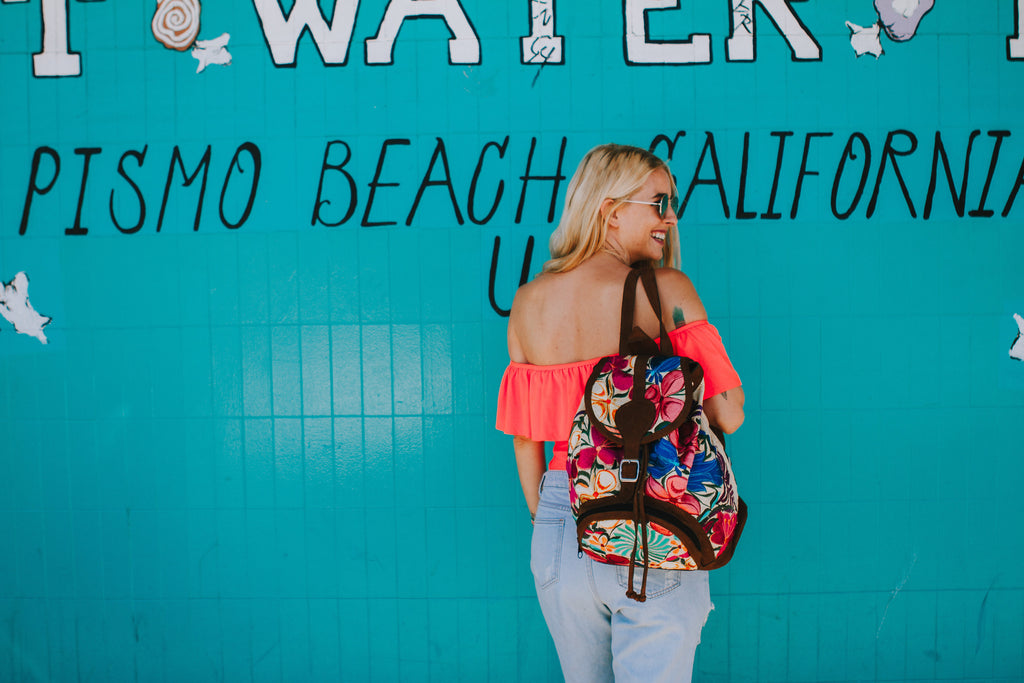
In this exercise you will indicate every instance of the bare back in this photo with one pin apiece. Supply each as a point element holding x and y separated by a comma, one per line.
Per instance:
<point>573,316</point>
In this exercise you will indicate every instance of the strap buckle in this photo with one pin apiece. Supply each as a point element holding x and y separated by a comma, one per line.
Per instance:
<point>629,470</point>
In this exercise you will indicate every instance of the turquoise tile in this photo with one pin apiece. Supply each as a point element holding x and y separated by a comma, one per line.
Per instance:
<point>349,476</point>
<point>268,655</point>
<point>472,639</point>
<point>442,639</point>
<point>290,551</point>
<point>286,369</point>
<point>407,379</point>
<point>346,370</point>
<point>202,555</point>
<point>324,640</point>
<point>259,463</point>
<point>355,646</point>
<point>383,633</point>
<point>410,460</point>
<point>288,463</point>
<point>231,564</point>
<point>254,280</point>
<point>318,462</point>
<point>375,294</point>
<point>437,359</point>
<point>413,649</point>
<point>321,552</point>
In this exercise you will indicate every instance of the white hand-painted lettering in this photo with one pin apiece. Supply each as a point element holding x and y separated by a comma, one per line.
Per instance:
<point>56,59</point>
<point>740,45</point>
<point>1015,43</point>
<point>282,34</point>
<point>640,50</point>
<point>542,46</point>
<point>464,48</point>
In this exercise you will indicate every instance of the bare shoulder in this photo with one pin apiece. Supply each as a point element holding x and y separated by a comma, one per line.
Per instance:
<point>680,303</point>
<point>523,314</point>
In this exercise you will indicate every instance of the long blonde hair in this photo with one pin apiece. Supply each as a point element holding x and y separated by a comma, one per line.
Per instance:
<point>606,172</point>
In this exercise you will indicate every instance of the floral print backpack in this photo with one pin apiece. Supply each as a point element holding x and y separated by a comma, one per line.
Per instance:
<point>650,483</point>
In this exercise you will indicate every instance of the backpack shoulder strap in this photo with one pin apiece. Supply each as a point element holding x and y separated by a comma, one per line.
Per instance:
<point>632,339</point>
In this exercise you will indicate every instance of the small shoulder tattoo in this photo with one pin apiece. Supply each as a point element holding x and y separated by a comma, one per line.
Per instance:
<point>677,317</point>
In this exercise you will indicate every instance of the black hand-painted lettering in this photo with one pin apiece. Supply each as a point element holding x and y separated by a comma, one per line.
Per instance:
<point>959,196</point>
<point>375,183</point>
<point>981,211</point>
<point>771,214</point>
<point>88,153</point>
<point>524,274</point>
<point>740,212</point>
<point>890,152</point>
<point>204,166</point>
<point>848,153</point>
<point>35,189</point>
<point>709,146</point>
<point>140,158</point>
<point>340,168</point>
<point>476,177</point>
<point>254,154</point>
<point>556,179</point>
<point>427,182</point>
<point>804,171</point>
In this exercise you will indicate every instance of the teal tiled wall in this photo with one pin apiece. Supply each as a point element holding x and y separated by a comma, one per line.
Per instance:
<point>266,452</point>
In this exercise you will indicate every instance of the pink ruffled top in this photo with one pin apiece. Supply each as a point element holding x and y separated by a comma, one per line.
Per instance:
<point>539,401</point>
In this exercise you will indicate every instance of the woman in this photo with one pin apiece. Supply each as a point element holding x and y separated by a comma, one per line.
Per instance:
<point>619,210</point>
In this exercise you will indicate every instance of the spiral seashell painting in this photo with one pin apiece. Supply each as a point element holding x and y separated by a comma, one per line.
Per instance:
<point>176,23</point>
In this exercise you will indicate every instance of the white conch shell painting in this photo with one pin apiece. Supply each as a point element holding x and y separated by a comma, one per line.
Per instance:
<point>212,51</point>
<point>176,23</point>
<point>899,19</point>
<point>1017,347</point>
<point>16,309</point>
<point>864,39</point>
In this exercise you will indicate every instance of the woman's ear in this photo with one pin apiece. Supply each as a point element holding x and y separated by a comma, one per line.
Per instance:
<point>609,214</point>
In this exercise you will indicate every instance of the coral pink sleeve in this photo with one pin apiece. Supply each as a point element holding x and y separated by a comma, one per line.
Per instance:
<point>700,341</point>
<point>539,401</point>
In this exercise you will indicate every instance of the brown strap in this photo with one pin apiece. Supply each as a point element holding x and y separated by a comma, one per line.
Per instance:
<point>651,287</point>
<point>628,308</point>
<point>631,338</point>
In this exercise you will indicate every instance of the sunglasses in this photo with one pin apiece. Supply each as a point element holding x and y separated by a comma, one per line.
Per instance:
<point>662,204</point>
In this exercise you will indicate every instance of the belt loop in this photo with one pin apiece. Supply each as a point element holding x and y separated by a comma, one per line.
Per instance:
<point>540,487</point>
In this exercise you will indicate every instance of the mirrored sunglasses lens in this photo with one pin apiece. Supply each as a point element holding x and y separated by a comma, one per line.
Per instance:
<point>666,202</point>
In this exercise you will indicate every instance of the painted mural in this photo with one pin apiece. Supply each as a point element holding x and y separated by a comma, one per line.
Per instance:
<point>272,247</point>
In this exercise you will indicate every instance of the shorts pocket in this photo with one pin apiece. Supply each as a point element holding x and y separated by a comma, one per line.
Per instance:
<point>546,551</point>
<point>659,581</point>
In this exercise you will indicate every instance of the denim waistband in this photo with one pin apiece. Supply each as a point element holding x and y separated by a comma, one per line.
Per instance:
<point>554,479</point>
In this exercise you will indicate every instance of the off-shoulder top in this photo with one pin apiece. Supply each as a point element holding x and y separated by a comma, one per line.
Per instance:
<point>539,401</point>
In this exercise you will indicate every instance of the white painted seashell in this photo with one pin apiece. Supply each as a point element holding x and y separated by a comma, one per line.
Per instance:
<point>176,23</point>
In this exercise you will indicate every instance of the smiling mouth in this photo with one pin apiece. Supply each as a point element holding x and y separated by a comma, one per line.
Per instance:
<point>658,237</point>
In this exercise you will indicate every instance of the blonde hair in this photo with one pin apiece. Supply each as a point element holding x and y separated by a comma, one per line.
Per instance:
<point>613,172</point>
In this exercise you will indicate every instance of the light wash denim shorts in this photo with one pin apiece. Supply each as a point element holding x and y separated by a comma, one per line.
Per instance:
<point>600,634</point>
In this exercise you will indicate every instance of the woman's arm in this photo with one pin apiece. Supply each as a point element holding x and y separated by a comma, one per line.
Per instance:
<point>530,461</point>
<point>680,305</point>
<point>725,410</point>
